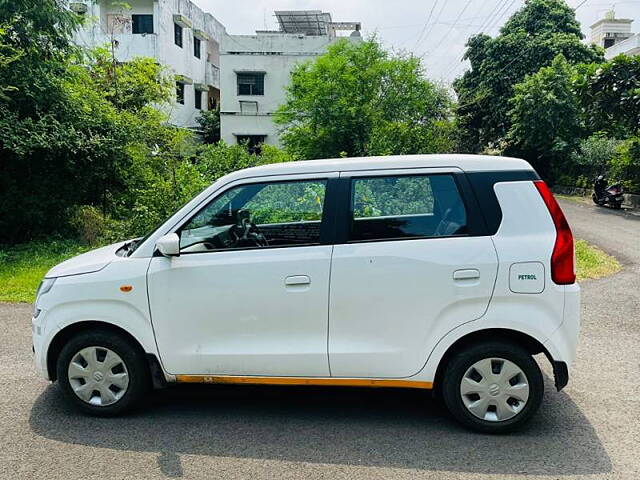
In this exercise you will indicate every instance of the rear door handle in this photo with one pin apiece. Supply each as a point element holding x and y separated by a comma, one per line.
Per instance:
<point>468,274</point>
<point>297,280</point>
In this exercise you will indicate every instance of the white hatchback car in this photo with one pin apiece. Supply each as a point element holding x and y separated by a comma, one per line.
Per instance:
<point>443,272</point>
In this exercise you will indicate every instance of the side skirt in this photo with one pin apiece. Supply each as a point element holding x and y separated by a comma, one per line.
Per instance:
<point>344,382</point>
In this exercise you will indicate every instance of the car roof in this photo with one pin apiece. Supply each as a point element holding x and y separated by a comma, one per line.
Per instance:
<point>467,163</point>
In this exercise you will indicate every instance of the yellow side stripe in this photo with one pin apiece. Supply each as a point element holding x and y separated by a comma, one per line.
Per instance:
<point>345,382</point>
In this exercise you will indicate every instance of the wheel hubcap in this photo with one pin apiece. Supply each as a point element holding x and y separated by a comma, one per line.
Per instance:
<point>98,376</point>
<point>494,389</point>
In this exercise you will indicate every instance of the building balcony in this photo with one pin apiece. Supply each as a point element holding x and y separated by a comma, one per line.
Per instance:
<point>630,46</point>
<point>128,45</point>
<point>212,75</point>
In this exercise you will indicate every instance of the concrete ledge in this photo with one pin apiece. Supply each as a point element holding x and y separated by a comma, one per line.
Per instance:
<point>631,200</point>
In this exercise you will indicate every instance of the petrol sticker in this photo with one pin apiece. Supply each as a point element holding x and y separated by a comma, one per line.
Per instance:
<point>527,277</point>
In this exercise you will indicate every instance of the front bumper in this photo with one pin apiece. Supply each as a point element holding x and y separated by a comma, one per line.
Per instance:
<point>38,344</point>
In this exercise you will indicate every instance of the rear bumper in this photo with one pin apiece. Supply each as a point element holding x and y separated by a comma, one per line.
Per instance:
<point>561,375</point>
<point>562,344</point>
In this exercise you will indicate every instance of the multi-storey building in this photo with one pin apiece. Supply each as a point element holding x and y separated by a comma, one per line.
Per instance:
<point>255,70</point>
<point>615,36</point>
<point>175,32</point>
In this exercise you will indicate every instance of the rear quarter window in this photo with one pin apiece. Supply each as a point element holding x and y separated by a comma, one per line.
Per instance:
<point>406,206</point>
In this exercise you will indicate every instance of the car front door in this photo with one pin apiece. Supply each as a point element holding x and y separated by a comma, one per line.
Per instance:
<point>248,293</point>
<point>412,265</point>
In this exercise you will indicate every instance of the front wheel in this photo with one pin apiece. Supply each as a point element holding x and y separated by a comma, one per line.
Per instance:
<point>493,387</point>
<point>102,373</point>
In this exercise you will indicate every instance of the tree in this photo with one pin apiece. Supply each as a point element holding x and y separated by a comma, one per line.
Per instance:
<point>357,100</point>
<point>545,117</point>
<point>529,40</point>
<point>66,137</point>
<point>610,95</point>
<point>209,121</point>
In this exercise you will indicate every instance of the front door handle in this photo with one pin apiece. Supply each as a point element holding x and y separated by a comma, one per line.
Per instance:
<point>297,280</point>
<point>469,274</point>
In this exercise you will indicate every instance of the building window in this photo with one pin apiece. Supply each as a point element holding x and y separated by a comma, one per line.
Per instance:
<point>251,83</point>
<point>609,42</point>
<point>198,102</point>
<point>142,23</point>
<point>196,47</point>
<point>180,93</point>
<point>177,34</point>
<point>252,142</point>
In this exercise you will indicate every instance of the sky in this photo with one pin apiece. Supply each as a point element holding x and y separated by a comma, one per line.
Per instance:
<point>436,30</point>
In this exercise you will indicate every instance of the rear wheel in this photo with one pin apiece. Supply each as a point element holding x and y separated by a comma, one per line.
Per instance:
<point>493,387</point>
<point>102,373</point>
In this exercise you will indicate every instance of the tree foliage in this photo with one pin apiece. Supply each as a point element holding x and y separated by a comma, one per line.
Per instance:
<point>209,121</point>
<point>610,95</point>
<point>358,100</point>
<point>66,137</point>
<point>545,117</point>
<point>528,41</point>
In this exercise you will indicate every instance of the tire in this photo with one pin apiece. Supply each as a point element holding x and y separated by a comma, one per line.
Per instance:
<point>495,399</point>
<point>118,365</point>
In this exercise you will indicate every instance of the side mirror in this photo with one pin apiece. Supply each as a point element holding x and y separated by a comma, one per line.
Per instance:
<point>169,245</point>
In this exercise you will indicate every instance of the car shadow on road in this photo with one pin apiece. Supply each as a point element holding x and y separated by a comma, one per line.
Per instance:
<point>347,426</point>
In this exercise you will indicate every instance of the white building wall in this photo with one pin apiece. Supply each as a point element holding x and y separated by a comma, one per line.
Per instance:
<point>161,46</point>
<point>276,54</point>
<point>616,29</point>
<point>630,46</point>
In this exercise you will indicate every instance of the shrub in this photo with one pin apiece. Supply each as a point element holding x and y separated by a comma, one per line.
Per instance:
<point>591,158</point>
<point>209,121</point>
<point>625,165</point>
<point>94,228</point>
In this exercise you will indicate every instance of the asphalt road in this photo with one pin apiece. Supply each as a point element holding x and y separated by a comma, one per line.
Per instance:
<point>591,429</point>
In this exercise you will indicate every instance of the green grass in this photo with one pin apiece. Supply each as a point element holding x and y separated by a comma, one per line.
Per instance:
<point>575,198</point>
<point>23,266</point>
<point>591,262</point>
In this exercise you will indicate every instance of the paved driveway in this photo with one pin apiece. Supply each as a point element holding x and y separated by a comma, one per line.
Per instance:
<point>591,429</point>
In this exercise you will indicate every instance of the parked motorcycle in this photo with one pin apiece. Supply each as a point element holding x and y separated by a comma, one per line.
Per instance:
<point>604,194</point>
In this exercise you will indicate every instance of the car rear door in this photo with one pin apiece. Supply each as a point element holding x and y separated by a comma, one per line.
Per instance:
<point>411,263</point>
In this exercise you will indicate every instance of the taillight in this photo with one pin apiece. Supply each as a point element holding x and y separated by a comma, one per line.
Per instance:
<point>562,259</point>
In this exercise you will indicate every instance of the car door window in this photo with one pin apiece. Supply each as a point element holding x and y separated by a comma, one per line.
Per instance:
<point>258,215</point>
<point>406,206</point>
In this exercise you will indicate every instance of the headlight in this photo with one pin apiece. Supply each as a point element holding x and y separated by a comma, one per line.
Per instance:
<point>45,286</point>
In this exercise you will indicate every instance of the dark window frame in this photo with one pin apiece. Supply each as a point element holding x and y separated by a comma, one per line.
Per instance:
<point>476,225</point>
<point>254,89</point>
<point>197,47</point>
<point>254,148</point>
<point>327,222</point>
<point>180,93</point>
<point>198,99</point>
<point>351,217</point>
<point>137,25</point>
<point>178,35</point>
